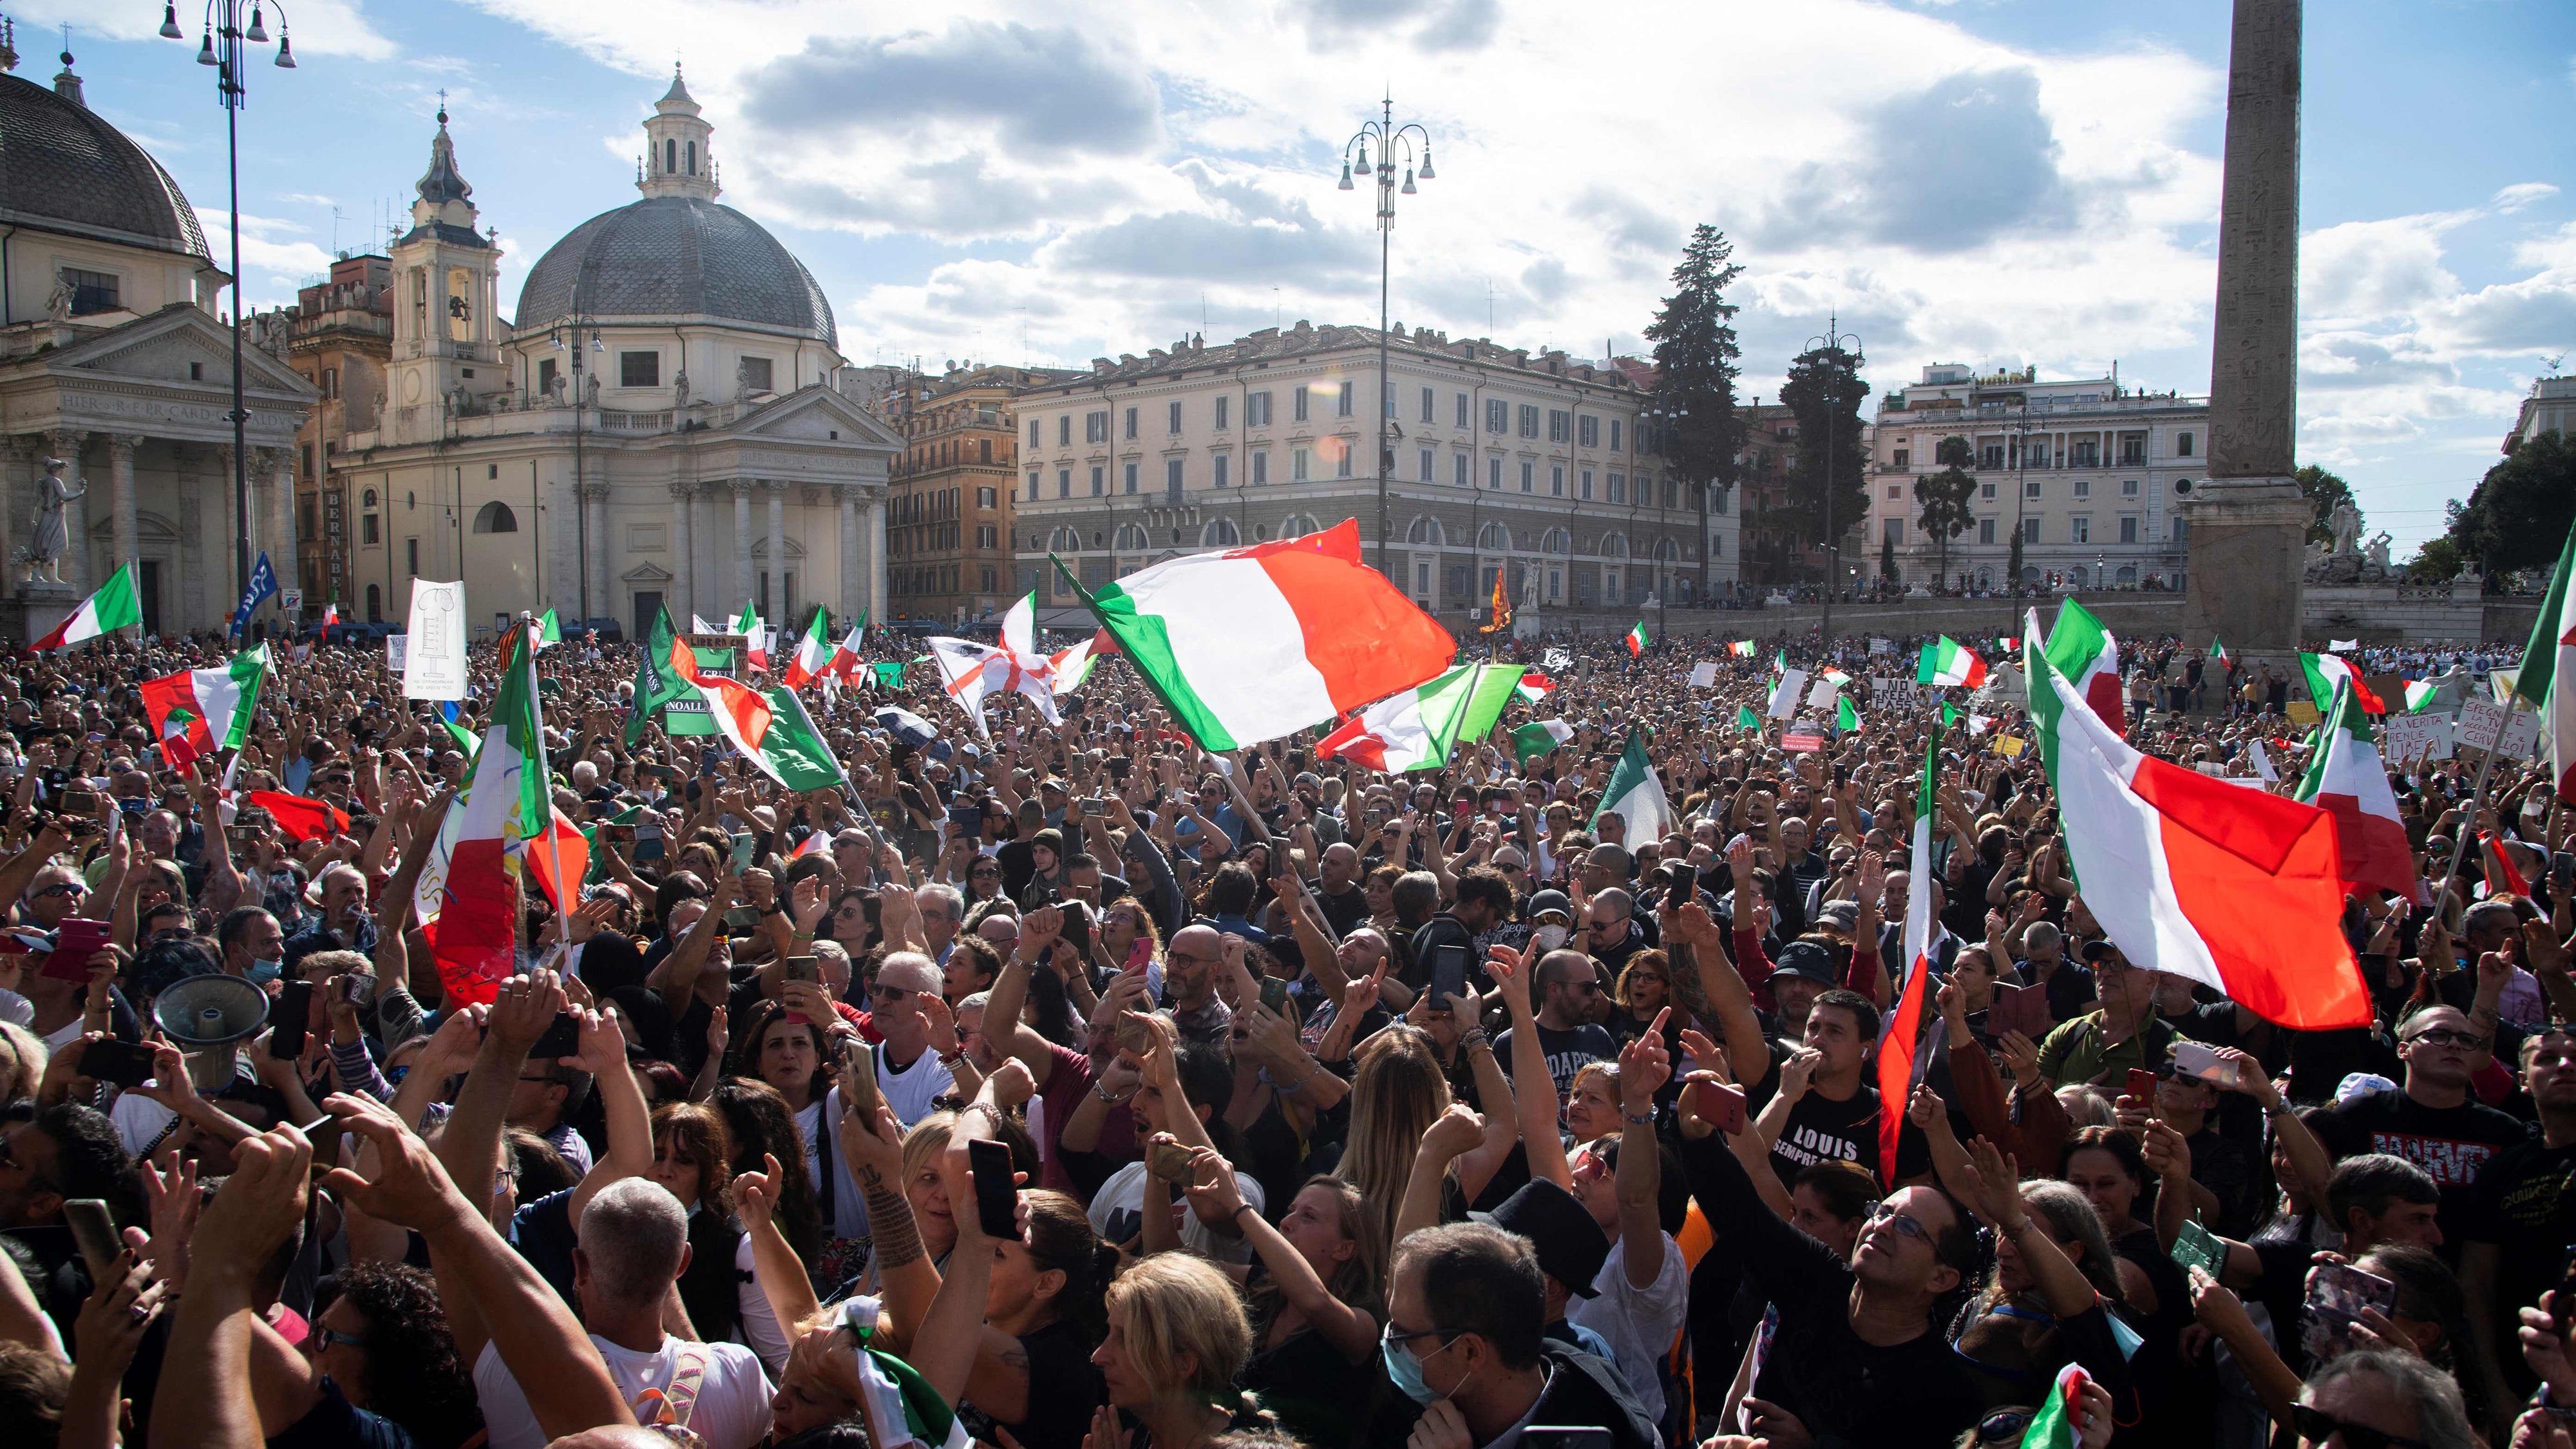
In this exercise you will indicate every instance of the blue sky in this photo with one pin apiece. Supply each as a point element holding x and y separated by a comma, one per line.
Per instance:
<point>1984,181</point>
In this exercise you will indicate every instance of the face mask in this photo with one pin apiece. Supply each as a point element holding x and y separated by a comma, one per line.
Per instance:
<point>264,972</point>
<point>1548,938</point>
<point>1406,1371</point>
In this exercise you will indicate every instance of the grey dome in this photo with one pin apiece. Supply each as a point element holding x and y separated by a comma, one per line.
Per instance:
<point>675,256</point>
<point>64,169</point>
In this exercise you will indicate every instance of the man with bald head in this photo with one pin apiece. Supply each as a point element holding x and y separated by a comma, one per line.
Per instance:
<point>1189,985</point>
<point>344,923</point>
<point>1338,891</point>
<point>1562,996</point>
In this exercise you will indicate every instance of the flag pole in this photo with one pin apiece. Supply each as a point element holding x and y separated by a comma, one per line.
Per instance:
<point>2469,824</point>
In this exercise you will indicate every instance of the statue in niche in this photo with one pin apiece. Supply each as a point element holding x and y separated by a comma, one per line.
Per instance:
<point>49,538</point>
<point>58,302</point>
<point>680,388</point>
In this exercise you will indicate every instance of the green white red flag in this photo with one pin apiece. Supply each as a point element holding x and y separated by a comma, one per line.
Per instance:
<point>2552,652</point>
<point>813,653</point>
<point>755,648</point>
<point>469,891</point>
<point>1741,648</point>
<point>1415,729</point>
<point>201,711</point>
<point>1251,644</point>
<point>2326,671</point>
<point>1947,662</point>
<point>1635,794</point>
<point>2059,1424</point>
<point>115,606</point>
<point>1637,640</point>
<point>2082,649</point>
<point>2346,779</point>
<point>1905,1030</point>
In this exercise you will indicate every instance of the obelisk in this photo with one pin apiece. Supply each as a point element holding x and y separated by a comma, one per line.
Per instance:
<point>2248,522</point>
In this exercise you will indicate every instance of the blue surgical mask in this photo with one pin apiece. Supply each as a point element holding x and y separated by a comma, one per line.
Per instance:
<point>1406,1371</point>
<point>264,972</point>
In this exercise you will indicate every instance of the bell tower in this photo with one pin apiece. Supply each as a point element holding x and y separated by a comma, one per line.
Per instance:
<point>446,352</point>
<point>677,158</point>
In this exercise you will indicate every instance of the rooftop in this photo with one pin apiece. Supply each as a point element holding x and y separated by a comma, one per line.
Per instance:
<point>1193,354</point>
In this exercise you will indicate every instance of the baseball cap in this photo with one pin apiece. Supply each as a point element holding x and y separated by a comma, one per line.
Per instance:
<point>1571,1246</point>
<point>1841,915</point>
<point>1547,901</point>
<point>1807,961</point>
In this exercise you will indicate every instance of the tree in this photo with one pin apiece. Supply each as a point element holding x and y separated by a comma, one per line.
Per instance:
<point>1825,392</point>
<point>1886,556</point>
<point>1944,496</point>
<point>2521,510</point>
<point>2437,561</point>
<point>2323,490</point>
<point>2012,568</point>
<point>1695,369</point>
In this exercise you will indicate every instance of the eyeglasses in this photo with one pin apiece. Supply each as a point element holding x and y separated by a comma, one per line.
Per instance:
<point>1907,1225</point>
<point>1192,957</point>
<point>887,995</point>
<point>2443,1036</point>
<point>334,1338</point>
<point>1390,1335</point>
<point>2317,1426</point>
<point>2003,1426</point>
<point>1585,985</point>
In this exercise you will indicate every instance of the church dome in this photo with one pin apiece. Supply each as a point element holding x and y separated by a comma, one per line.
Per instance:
<point>64,169</point>
<point>675,256</point>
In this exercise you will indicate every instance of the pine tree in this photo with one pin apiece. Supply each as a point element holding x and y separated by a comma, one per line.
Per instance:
<point>1944,496</point>
<point>1695,366</point>
<point>1825,391</point>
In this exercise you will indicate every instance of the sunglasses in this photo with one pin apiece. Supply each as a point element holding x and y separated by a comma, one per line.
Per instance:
<point>64,889</point>
<point>333,1338</point>
<point>2317,1426</point>
<point>887,995</point>
<point>2442,1036</point>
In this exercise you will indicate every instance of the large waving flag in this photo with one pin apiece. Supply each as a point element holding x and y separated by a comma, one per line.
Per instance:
<point>207,709</point>
<point>845,656</point>
<point>2235,888</point>
<point>2327,672</point>
<point>755,649</point>
<point>774,732</point>
<point>1255,643</point>
<point>1635,794</point>
<point>1905,1030</point>
<point>813,653</point>
<point>468,895</point>
<point>1502,607</point>
<point>2552,652</point>
<point>2346,779</point>
<point>1065,669</point>
<point>658,680</point>
<point>2081,648</point>
<point>261,587</point>
<point>1415,729</point>
<point>973,673</point>
<point>115,606</point>
<point>1947,662</point>
<point>1536,738</point>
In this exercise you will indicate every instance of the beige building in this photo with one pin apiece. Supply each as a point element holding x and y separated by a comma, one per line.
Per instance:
<point>2088,470</point>
<point>2550,408</point>
<point>1498,458</point>
<point>658,426</point>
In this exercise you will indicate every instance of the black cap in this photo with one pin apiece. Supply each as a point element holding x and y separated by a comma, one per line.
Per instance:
<point>1571,1246</point>
<point>2094,951</point>
<point>1807,961</point>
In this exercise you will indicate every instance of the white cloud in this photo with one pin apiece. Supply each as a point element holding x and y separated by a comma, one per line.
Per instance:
<point>2522,194</point>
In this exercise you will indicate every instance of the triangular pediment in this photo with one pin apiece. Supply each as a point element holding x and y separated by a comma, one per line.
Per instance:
<point>646,574</point>
<point>795,547</point>
<point>160,348</point>
<point>815,414</point>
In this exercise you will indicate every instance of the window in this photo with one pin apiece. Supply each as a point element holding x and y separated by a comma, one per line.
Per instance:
<point>496,517</point>
<point>1895,492</point>
<point>1429,467</point>
<point>1529,476</point>
<point>1099,480</point>
<point>2182,445</point>
<point>1614,435</point>
<point>1064,482</point>
<point>2087,454</point>
<point>1901,458</point>
<point>1991,456</point>
<point>1128,473</point>
<point>2079,529</point>
<point>545,375</point>
<point>2128,487</point>
<point>1342,403</point>
<point>2129,528</point>
<point>1619,488</point>
<point>1033,432</point>
<point>1256,410</point>
<point>2035,453</point>
<point>1985,530</point>
<point>2030,487</point>
<point>367,530</point>
<point>985,537</point>
<point>2181,531</point>
<point>1986,491</point>
<point>2083,487</point>
<point>1095,426</point>
<point>1297,406</point>
<point>639,369</point>
<point>1220,534</point>
<point>1223,405</point>
<point>1064,431</point>
<point>1064,540</point>
<point>1529,420</point>
<point>1342,451</point>
<point>1460,466</point>
<point>1176,419</point>
<point>2030,530</point>
<point>1493,472</point>
<point>1584,485</point>
<point>1560,425</point>
<point>1220,472</point>
<point>1033,485</point>
<point>1462,411</point>
<point>1131,422</point>
<point>1587,431</point>
<point>1556,481</point>
<point>1895,529</point>
<point>411,557</point>
<point>1131,538</point>
<point>755,373</point>
<point>1171,475</point>
<point>1430,406</point>
<point>1260,468</point>
<point>986,497</point>
<point>1297,460</point>
<point>91,291</point>
<point>1496,414</point>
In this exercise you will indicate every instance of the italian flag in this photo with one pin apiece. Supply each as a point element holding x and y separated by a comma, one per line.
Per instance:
<point>773,731</point>
<point>2553,649</point>
<point>1637,640</point>
<point>756,638</point>
<point>1741,648</point>
<point>2346,779</point>
<point>1635,794</point>
<point>207,709</point>
<point>299,818</point>
<point>813,655</point>
<point>331,615</point>
<point>2217,650</point>
<point>1537,738</point>
<point>469,894</point>
<point>1905,1029</point>
<point>1948,662</point>
<point>1846,718</point>
<point>2080,648</point>
<point>2326,672</point>
<point>1252,644</point>
<point>2059,1422</point>
<point>1415,729</point>
<point>549,630</point>
<point>844,663</point>
<point>115,606</point>
<point>2419,695</point>
<point>1836,677</point>
<point>2234,888</point>
<point>1535,686</point>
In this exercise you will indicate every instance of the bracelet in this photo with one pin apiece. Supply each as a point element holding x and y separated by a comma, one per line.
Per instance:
<point>1645,1120</point>
<point>951,1059</point>
<point>1101,1090</point>
<point>1471,1039</point>
<point>1300,1085</point>
<point>1239,1210</point>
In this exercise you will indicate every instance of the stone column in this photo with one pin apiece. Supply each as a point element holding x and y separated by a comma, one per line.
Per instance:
<point>853,593</point>
<point>195,567</point>
<point>120,494</point>
<point>773,599</point>
<point>741,540</point>
<point>19,462</point>
<point>874,536</point>
<point>66,444</point>
<point>2248,524</point>
<point>684,562</point>
<point>596,565</point>
<point>281,541</point>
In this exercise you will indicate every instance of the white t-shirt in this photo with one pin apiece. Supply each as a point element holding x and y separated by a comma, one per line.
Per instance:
<point>1638,1323</point>
<point>732,1407</point>
<point>908,1092</point>
<point>1117,1214</point>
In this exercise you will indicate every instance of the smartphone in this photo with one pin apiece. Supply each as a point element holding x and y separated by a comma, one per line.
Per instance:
<point>2142,1085</point>
<point>1718,1104</point>
<point>1449,972</point>
<point>94,1233</point>
<point>357,988</point>
<point>1118,766</point>
<point>1169,1161</point>
<point>859,1081</point>
<point>1684,884</point>
<point>1274,994</point>
<point>288,1012</point>
<point>75,943</point>
<point>997,1196</point>
<point>741,920</point>
<point>1095,804</point>
<point>741,853</point>
<point>561,1039</point>
<point>126,1063</point>
<point>2199,1059</point>
<point>799,968</point>
<point>1558,1436</point>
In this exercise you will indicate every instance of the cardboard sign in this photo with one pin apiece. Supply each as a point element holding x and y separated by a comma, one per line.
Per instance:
<point>434,661</point>
<point>2010,746</point>
<point>1703,675</point>
<point>1882,646</point>
<point>2303,714</point>
<point>2481,720</point>
<point>2403,735</point>
<point>1822,695</point>
<point>1803,739</point>
<point>1784,700</point>
<point>394,644</point>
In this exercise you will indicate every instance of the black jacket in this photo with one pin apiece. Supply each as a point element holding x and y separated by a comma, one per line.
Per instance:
<point>1584,1392</point>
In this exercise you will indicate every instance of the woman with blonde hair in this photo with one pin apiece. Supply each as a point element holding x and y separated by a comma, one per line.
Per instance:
<point>1316,1297</point>
<point>1397,1092</point>
<point>1178,1336</point>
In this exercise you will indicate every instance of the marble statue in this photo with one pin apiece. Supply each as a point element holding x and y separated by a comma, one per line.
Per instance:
<point>58,302</point>
<point>590,390</point>
<point>680,389</point>
<point>2378,552</point>
<point>51,535</point>
<point>2345,524</point>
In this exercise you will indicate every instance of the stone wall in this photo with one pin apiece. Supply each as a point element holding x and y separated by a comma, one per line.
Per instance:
<point>2374,614</point>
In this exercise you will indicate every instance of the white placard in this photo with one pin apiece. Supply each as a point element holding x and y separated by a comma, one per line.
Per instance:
<point>1882,646</point>
<point>2481,719</point>
<point>1823,693</point>
<point>394,651</point>
<point>1784,700</point>
<point>1704,675</point>
<point>436,670</point>
<point>2404,734</point>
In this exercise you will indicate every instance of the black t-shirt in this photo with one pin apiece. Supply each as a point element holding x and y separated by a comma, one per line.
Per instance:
<point>1822,1130</point>
<point>2452,1144</point>
<point>1064,1389</point>
<point>2524,1203</point>
<point>1347,912</point>
<point>1567,1051</point>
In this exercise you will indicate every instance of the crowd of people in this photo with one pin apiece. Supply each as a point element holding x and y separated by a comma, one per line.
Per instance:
<point>1066,1086</point>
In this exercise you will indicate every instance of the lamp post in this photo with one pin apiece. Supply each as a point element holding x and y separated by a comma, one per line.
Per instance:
<point>1831,341</point>
<point>1664,420</point>
<point>1387,136</point>
<point>2021,506</point>
<point>221,48</point>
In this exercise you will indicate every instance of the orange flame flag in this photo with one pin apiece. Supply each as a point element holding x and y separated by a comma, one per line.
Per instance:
<point>1502,607</point>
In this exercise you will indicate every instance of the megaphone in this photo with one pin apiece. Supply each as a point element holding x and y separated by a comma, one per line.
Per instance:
<point>208,1017</point>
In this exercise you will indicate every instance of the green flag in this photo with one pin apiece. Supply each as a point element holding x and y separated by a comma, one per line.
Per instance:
<point>889,673</point>
<point>1949,716</point>
<point>1536,738</point>
<point>1846,718</point>
<point>1746,719</point>
<point>793,752</point>
<point>549,630</point>
<point>654,681</point>
<point>1635,794</point>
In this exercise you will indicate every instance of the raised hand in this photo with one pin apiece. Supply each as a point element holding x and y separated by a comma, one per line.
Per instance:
<point>1644,1067</point>
<point>1453,1134</point>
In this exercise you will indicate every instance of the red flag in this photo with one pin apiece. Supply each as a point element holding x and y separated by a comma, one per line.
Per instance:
<point>2502,878</point>
<point>302,819</point>
<point>1896,1070</point>
<point>563,841</point>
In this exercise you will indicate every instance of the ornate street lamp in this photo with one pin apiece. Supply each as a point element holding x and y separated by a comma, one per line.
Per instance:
<point>1388,137</point>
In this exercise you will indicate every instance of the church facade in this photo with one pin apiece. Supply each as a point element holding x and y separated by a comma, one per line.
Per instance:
<point>658,426</point>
